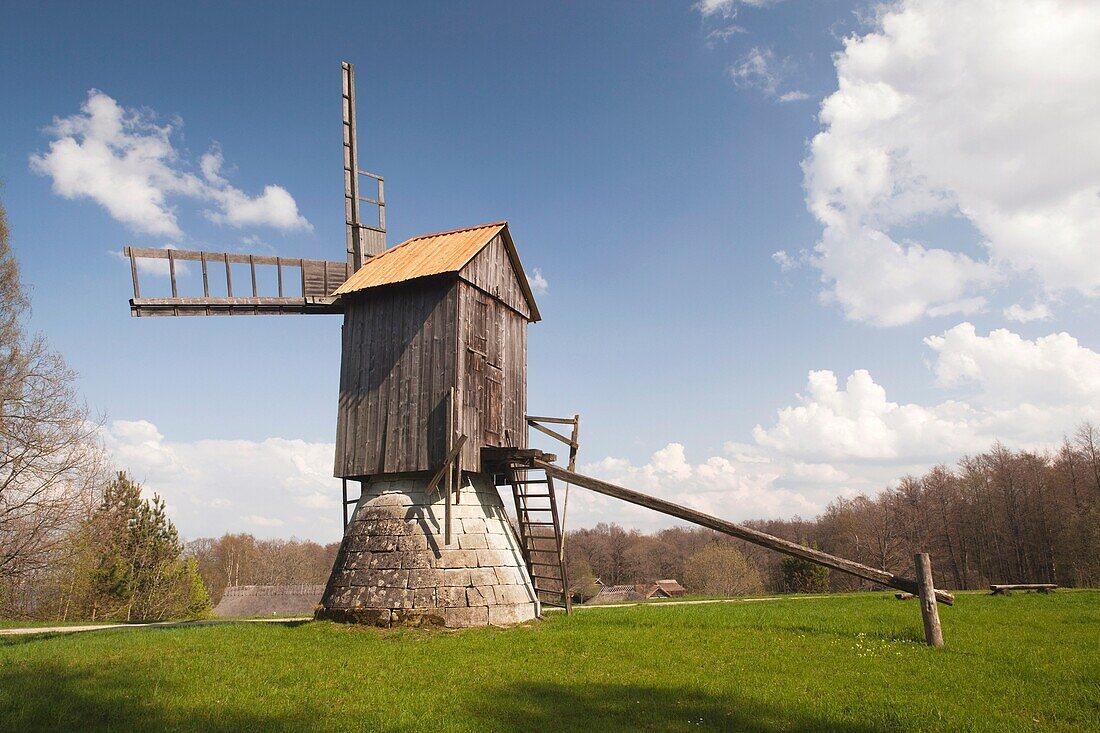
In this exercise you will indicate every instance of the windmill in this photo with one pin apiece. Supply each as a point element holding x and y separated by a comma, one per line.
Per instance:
<point>431,412</point>
<point>431,419</point>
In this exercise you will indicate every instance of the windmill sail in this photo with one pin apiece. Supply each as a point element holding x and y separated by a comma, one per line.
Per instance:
<point>302,286</point>
<point>363,240</point>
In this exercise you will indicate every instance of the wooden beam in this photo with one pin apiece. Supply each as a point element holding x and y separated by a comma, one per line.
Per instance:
<point>233,257</point>
<point>558,420</point>
<point>933,633</point>
<point>552,433</point>
<point>451,455</point>
<point>739,531</point>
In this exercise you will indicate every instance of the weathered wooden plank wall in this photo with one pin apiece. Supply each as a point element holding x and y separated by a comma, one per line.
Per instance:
<point>405,346</point>
<point>491,271</point>
<point>399,362</point>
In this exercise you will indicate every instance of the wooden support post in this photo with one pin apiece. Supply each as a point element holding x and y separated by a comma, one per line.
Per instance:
<point>134,272</point>
<point>172,272</point>
<point>930,614</point>
<point>252,266</point>
<point>450,472</point>
<point>228,277</point>
<point>344,486</point>
<point>279,270</point>
<point>205,276</point>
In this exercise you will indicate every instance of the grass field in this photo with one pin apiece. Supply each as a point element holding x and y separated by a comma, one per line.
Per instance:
<point>853,663</point>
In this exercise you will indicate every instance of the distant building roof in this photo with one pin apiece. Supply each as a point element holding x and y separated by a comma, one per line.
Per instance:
<point>671,586</point>
<point>246,601</point>
<point>435,254</point>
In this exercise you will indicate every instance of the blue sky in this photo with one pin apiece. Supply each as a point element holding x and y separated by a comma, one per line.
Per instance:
<point>704,252</point>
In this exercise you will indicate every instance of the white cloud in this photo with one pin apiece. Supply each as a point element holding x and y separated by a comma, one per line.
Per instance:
<point>1021,314</point>
<point>262,521</point>
<point>1009,370</point>
<point>126,162</point>
<point>842,439</point>
<point>785,261</point>
<point>758,68</point>
<point>729,8</point>
<point>217,486</point>
<point>793,96</point>
<point>979,110</point>
<point>539,284</point>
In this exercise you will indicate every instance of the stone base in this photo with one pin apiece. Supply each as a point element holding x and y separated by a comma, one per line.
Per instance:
<point>393,568</point>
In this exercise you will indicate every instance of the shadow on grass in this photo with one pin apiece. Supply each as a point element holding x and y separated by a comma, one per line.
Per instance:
<point>617,707</point>
<point>52,697</point>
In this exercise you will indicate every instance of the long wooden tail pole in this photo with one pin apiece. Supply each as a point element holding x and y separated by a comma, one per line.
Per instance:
<point>740,531</point>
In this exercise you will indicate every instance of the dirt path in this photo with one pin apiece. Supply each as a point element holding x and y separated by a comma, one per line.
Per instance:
<point>155,625</point>
<point>216,622</point>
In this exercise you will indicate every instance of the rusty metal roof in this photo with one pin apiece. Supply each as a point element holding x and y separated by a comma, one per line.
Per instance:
<point>434,254</point>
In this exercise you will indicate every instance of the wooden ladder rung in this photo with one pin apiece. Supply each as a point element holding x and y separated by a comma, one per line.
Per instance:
<point>539,524</point>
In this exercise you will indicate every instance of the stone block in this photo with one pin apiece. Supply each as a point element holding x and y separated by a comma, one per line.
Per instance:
<point>481,596</point>
<point>509,615</point>
<point>458,558</point>
<point>388,598</point>
<point>473,525</point>
<point>459,618</point>
<point>380,543</point>
<point>412,543</point>
<point>451,597</point>
<point>389,578</point>
<point>499,542</point>
<point>416,617</point>
<point>495,558</point>
<point>367,616</point>
<point>417,560</point>
<point>425,597</point>
<point>387,525</point>
<point>483,576</point>
<point>385,560</point>
<point>456,577</point>
<point>425,578</point>
<point>510,576</point>
<point>472,542</point>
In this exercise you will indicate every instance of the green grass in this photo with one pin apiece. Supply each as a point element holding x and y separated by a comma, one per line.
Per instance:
<point>854,663</point>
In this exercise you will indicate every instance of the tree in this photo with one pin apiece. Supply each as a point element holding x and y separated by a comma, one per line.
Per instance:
<point>49,455</point>
<point>722,571</point>
<point>138,572</point>
<point>803,576</point>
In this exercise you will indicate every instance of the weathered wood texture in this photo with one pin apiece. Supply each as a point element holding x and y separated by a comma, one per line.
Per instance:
<point>1003,589</point>
<point>930,614</point>
<point>399,362</point>
<point>491,272</point>
<point>737,530</point>
<point>406,345</point>
<point>492,388</point>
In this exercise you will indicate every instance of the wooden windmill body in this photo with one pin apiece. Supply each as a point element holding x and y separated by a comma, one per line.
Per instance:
<point>431,410</point>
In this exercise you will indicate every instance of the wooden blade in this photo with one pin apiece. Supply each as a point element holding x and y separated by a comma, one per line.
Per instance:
<point>316,280</point>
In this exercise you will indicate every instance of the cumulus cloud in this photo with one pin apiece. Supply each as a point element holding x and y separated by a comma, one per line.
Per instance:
<point>842,438</point>
<point>275,486</point>
<point>981,111</point>
<point>539,284</point>
<point>126,162</point>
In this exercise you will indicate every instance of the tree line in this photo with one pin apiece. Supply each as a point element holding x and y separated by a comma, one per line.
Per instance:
<point>1001,516</point>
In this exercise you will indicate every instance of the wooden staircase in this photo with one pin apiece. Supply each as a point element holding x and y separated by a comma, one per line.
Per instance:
<point>540,532</point>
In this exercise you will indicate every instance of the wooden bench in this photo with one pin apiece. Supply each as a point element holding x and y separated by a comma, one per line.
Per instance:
<point>1004,590</point>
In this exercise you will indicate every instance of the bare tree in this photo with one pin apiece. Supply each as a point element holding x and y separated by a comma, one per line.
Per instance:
<point>48,452</point>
